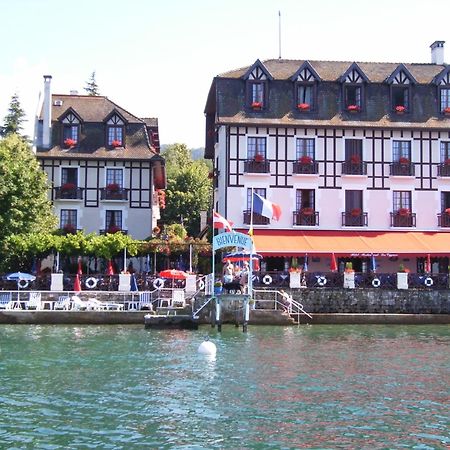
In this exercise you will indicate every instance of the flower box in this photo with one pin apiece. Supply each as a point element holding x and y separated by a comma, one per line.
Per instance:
<point>447,162</point>
<point>446,110</point>
<point>69,143</point>
<point>400,109</point>
<point>307,211</point>
<point>68,187</point>
<point>447,211</point>
<point>353,108</point>
<point>113,187</point>
<point>116,143</point>
<point>403,160</point>
<point>305,159</point>
<point>113,229</point>
<point>303,106</point>
<point>69,228</point>
<point>356,212</point>
<point>259,157</point>
<point>355,159</point>
<point>256,105</point>
<point>404,212</point>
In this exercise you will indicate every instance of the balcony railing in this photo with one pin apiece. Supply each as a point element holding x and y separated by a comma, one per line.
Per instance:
<point>306,169</point>
<point>354,219</point>
<point>444,170</point>
<point>257,218</point>
<point>305,218</point>
<point>113,230</point>
<point>252,166</point>
<point>403,220</point>
<point>402,169</point>
<point>444,220</point>
<point>119,194</point>
<point>352,168</point>
<point>63,193</point>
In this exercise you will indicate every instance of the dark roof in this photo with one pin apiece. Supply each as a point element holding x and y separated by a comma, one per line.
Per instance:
<point>284,69</point>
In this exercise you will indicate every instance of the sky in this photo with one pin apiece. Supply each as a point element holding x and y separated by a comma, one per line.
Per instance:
<point>158,58</point>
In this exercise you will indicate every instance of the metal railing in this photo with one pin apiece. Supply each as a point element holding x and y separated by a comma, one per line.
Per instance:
<point>75,193</point>
<point>252,166</point>
<point>352,168</point>
<point>402,169</point>
<point>119,194</point>
<point>353,219</point>
<point>308,218</point>
<point>400,220</point>
<point>305,168</point>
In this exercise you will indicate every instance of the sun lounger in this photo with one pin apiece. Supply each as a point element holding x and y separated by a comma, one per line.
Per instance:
<point>63,303</point>
<point>145,301</point>
<point>34,301</point>
<point>6,301</point>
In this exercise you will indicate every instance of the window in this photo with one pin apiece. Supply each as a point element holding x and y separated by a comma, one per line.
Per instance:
<point>259,191</point>
<point>114,177</point>
<point>71,126</point>
<point>305,96</point>
<point>256,146</point>
<point>113,220</point>
<point>257,92</point>
<point>401,152</point>
<point>305,148</point>
<point>445,201</point>
<point>114,131</point>
<point>68,219</point>
<point>400,98</point>
<point>69,175</point>
<point>353,201</point>
<point>445,99</point>
<point>402,201</point>
<point>352,97</point>
<point>304,199</point>
<point>445,153</point>
<point>353,150</point>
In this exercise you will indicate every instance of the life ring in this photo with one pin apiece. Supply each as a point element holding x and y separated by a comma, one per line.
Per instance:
<point>201,285</point>
<point>376,282</point>
<point>267,279</point>
<point>91,283</point>
<point>428,282</point>
<point>158,283</point>
<point>321,281</point>
<point>23,284</point>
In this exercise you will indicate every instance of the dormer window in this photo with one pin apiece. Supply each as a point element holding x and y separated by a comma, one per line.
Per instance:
<point>305,96</point>
<point>444,95</point>
<point>305,87</point>
<point>400,98</point>
<point>443,89</point>
<point>401,81</point>
<point>353,88</point>
<point>115,131</point>
<point>257,78</point>
<point>71,130</point>
<point>257,94</point>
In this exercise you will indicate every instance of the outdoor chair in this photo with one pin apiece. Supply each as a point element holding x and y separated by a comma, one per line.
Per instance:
<point>145,301</point>
<point>6,301</point>
<point>63,303</point>
<point>95,305</point>
<point>34,301</point>
<point>78,304</point>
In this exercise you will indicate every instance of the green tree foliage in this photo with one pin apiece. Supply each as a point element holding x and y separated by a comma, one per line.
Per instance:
<point>14,118</point>
<point>189,188</point>
<point>24,206</point>
<point>91,87</point>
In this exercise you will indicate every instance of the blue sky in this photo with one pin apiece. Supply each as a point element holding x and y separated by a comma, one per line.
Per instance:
<point>158,58</point>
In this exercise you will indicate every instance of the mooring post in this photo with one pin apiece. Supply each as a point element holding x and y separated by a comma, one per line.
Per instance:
<point>218,312</point>
<point>246,313</point>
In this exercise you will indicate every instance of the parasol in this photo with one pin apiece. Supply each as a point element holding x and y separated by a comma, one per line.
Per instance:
<point>333,265</point>
<point>173,274</point>
<point>77,284</point>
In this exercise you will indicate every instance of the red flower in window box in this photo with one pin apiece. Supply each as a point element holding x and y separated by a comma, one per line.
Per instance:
<point>399,109</point>
<point>69,228</point>
<point>447,211</point>
<point>446,110</point>
<point>259,157</point>
<point>256,105</point>
<point>403,160</point>
<point>69,143</point>
<point>113,187</point>
<point>353,108</point>
<point>68,187</point>
<point>356,212</point>
<point>113,229</point>
<point>307,211</point>
<point>116,143</point>
<point>303,106</point>
<point>447,162</point>
<point>305,159</point>
<point>355,159</point>
<point>403,212</point>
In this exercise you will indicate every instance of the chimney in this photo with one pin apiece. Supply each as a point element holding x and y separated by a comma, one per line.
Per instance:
<point>437,52</point>
<point>47,112</point>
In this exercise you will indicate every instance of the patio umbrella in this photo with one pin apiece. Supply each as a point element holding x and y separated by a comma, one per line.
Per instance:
<point>305,264</point>
<point>22,280</point>
<point>373,264</point>
<point>77,284</point>
<point>333,265</point>
<point>80,269</point>
<point>110,270</point>
<point>173,274</point>
<point>428,264</point>
<point>133,283</point>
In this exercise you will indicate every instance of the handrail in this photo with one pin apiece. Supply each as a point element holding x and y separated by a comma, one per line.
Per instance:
<point>195,314</point>
<point>298,306</point>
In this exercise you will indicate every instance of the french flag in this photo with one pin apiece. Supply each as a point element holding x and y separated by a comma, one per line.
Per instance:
<point>266,208</point>
<point>221,223</point>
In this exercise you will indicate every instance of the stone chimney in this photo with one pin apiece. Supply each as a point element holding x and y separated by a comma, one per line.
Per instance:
<point>47,113</point>
<point>437,52</point>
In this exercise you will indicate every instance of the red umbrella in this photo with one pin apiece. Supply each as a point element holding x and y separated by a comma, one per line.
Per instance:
<point>80,270</point>
<point>77,284</point>
<point>173,274</point>
<point>333,265</point>
<point>110,270</point>
<point>428,264</point>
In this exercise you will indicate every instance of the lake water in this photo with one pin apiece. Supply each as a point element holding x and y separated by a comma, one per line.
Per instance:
<point>320,387</point>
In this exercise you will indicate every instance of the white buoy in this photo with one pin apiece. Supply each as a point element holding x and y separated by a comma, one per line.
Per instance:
<point>207,348</point>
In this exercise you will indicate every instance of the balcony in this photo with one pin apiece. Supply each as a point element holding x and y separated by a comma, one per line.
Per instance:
<point>305,217</point>
<point>403,219</point>
<point>444,220</point>
<point>443,170</point>
<point>116,194</point>
<point>68,192</point>
<point>113,230</point>
<point>257,219</point>
<point>402,169</point>
<point>309,168</point>
<point>70,229</point>
<point>355,218</point>
<point>252,166</point>
<point>354,168</point>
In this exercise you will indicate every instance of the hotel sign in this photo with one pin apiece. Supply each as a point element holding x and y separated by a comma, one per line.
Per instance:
<point>232,239</point>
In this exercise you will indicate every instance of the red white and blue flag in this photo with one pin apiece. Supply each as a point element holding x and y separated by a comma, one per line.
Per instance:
<point>221,223</point>
<point>266,208</point>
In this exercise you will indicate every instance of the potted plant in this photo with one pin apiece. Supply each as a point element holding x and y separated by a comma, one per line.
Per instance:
<point>307,211</point>
<point>355,159</point>
<point>69,143</point>
<point>353,108</point>
<point>305,159</point>
<point>218,287</point>
<point>446,110</point>
<point>349,276</point>
<point>400,109</point>
<point>69,228</point>
<point>113,229</point>
<point>256,105</point>
<point>447,211</point>
<point>116,143</point>
<point>259,157</point>
<point>68,187</point>
<point>404,212</point>
<point>447,162</point>
<point>113,187</point>
<point>349,266</point>
<point>403,160</point>
<point>303,106</point>
<point>355,212</point>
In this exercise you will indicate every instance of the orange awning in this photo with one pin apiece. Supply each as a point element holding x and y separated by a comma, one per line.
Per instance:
<point>389,243</point>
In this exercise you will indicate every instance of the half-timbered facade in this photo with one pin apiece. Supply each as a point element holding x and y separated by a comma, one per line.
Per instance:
<point>103,164</point>
<point>356,154</point>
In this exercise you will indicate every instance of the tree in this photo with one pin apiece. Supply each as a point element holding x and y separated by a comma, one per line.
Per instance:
<point>91,86</point>
<point>14,118</point>
<point>24,206</point>
<point>188,190</point>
